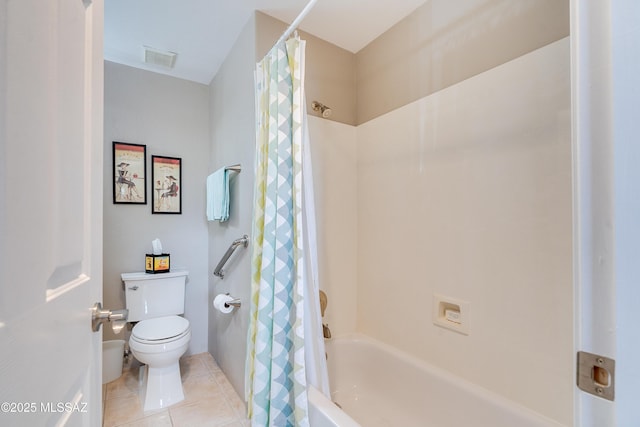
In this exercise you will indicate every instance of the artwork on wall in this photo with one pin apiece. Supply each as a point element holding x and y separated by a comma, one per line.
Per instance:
<point>129,173</point>
<point>166,175</point>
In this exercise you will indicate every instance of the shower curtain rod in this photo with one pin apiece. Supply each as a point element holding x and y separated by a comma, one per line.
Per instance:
<point>297,21</point>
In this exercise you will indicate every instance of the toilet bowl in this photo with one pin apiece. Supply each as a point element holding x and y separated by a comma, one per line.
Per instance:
<point>160,336</point>
<point>159,343</point>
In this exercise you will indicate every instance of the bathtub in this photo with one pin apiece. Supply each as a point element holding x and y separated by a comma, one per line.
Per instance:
<point>379,386</point>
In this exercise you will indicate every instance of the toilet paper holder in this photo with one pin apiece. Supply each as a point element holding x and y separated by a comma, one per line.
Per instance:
<point>225,303</point>
<point>235,302</point>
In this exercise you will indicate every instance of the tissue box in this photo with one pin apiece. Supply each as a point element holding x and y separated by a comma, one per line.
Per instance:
<point>157,263</point>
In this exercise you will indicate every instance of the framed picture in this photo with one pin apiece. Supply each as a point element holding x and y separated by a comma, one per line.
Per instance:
<point>166,175</point>
<point>129,173</point>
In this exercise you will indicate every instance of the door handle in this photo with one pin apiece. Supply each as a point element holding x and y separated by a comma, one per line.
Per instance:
<point>118,318</point>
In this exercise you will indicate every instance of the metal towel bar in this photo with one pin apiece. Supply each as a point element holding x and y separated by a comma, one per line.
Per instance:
<point>243,241</point>
<point>234,168</point>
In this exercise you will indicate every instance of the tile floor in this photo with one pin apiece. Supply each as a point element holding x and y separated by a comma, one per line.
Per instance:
<point>210,400</point>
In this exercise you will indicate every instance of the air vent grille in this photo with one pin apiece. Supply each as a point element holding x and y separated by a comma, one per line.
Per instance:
<point>159,57</point>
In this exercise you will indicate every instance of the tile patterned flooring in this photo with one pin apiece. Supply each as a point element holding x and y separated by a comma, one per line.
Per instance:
<point>210,400</point>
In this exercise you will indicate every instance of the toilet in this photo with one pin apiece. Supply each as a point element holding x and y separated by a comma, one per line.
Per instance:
<point>160,336</point>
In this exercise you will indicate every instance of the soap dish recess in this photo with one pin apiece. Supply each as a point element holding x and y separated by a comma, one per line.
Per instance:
<point>451,313</point>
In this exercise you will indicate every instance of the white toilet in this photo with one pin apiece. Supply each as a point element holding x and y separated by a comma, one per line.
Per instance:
<point>161,336</point>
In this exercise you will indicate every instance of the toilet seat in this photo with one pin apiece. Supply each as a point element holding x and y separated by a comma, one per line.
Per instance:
<point>160,330</point>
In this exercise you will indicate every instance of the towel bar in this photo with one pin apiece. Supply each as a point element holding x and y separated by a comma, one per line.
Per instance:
<point>234,168</point>
<point>243,241</point>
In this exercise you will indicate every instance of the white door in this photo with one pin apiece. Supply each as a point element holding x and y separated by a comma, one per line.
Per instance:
<point>50,211</point>
<point>606,101</point>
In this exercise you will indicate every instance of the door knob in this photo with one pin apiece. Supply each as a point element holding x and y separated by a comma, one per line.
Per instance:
<point>118,318</point>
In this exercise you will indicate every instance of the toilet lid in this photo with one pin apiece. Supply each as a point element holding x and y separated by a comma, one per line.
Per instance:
<point>160,328</point>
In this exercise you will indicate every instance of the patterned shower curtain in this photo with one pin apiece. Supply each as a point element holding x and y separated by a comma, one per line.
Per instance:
<point>276,379</point>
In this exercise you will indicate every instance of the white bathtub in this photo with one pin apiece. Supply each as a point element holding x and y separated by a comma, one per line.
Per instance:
<point>324,413</point>
<point>378,386</point>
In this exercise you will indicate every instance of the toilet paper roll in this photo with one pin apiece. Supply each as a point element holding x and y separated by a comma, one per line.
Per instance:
<point>219,303</point>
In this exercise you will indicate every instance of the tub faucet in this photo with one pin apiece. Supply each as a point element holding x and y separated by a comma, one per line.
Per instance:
<point>326,332</point>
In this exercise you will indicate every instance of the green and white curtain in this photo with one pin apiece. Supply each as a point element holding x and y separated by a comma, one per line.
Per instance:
<point>275,369</point>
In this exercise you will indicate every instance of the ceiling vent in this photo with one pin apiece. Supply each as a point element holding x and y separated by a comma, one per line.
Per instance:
<point>159,57</point>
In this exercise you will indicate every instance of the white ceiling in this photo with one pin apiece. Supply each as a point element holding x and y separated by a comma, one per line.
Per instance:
<point>202,32</point>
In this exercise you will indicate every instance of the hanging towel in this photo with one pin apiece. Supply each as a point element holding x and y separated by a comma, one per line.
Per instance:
<point>218,196</point>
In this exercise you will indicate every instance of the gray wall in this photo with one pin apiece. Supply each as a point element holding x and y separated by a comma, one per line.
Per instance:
<point>169,116</point>
<point>232,141</point>
<point>330,79</point>
<point>330,71</point>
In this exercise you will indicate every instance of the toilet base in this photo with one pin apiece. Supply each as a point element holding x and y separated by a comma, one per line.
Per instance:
<point>161,387</point>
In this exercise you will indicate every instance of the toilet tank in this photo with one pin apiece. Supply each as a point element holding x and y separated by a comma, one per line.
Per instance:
<point>154,295</point>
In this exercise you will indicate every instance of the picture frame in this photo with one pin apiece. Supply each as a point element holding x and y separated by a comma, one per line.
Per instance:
<point>129,173</point>
<point>166,188</point>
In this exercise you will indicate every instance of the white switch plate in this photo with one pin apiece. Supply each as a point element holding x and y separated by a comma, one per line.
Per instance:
<point>446,309</point>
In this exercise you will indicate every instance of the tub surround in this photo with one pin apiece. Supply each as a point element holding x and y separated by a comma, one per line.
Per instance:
<point>480,213</point>
<point>334,153</point>
<point>484,216</point>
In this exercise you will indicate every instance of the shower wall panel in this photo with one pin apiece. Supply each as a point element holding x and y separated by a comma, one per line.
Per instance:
<point>467,193</point>
<point>334,155</point>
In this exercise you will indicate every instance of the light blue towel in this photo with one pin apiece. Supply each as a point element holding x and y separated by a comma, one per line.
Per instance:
<point>218,196</point>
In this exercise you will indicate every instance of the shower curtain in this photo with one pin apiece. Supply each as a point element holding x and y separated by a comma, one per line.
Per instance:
<point>285,348</point>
